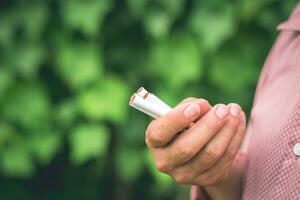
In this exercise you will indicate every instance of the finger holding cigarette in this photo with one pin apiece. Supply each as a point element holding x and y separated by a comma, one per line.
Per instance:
<point>161,131</point>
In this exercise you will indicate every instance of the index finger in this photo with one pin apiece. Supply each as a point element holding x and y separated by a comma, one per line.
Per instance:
<point>161,131</point>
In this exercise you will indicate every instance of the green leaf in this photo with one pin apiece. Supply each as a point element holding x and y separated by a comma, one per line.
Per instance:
<point>234,68</point>
<point>129,163</point>
<point>86,16</point>
<point>6,80</point>
<point>157,23</point>
<point>27,58</point>
<point>16,160</point>
<point>213,25</point>
<point>33,18</point>
<point>250,9</point>
<point>27,105</point>
<point>178,56</point>
<point>173,7</point>
<point>44,145</point>
<point>8,23</point>
<point>88,141</point>
<point>66,112</point>
<point>108,99</point>
<point>137,7</point>
<point>7,133</point>
<point>79,64</point>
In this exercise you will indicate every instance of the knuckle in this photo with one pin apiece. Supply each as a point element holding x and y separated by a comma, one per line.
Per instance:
<point>163,166</point>
<point>210,126</point>
<point>186,150</point>
<point>153,133</point>
<point>213,153</point>
<point>180,178</point>
<point>229,154</point>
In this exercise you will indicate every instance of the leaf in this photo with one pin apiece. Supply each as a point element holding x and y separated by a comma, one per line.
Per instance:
<point>88,141</point>
<point>26,59</point>
<point>6,80</point>
<point>157,23</point>
<point>173,7</point>
<point>129,163</point>
<point>178,56</point>
<point>107,99</point>
<point>212,24</point>
<point>86,16</point>
<point>8,23</point>
<point>7,133</point>
<point>250,9</point>
<point>234,69</point>
<point>66,112</point>
<point>33,18</point>
<point>137,7</point>
<point>16,161</point>
<point>79,64</point>
<point>44,145</point>
<point>27,105</point>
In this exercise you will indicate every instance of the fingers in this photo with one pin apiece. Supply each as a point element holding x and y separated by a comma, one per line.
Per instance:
<point>216,147</point>
<point>189,173</point>
<point>188,144</point>
<point>161,131</point>
<point>238,137</point>
<point>220,171</point>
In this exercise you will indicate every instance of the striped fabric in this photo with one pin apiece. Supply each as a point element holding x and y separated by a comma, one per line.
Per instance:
<point>272,169</point>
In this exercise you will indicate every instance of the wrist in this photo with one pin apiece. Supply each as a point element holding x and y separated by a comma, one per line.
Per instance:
<point>231,188</point>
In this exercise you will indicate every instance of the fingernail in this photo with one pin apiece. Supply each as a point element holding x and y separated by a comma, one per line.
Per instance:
<point>192,110</point>
<point>235,110</point>
<point>222,111</point>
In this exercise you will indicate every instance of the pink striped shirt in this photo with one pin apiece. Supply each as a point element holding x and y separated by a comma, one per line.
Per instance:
<point>273,137</point>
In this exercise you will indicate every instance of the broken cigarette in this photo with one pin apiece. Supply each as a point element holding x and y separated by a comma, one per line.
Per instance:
<point>148,103</point>
<point>142,92</point>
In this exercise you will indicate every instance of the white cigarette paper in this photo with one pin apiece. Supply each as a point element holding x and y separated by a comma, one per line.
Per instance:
<point>149,103</point>
<point>142,92</point>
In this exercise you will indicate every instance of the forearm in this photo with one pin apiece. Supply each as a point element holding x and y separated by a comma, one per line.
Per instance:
<point>230,189</point>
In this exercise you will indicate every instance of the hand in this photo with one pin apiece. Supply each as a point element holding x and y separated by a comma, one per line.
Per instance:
<point>203,154</point>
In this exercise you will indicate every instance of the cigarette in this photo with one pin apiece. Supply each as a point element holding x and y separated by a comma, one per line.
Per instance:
<point>150,108</point>
<point>154,99</point>
<point>151,105</point>
<point>142,92</point>
<point>133,104</point>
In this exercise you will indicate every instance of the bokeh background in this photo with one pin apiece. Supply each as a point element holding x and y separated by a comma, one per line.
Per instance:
<point>68,68</point>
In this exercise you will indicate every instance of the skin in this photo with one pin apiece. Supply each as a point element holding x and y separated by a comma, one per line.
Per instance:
<point>204,153</point>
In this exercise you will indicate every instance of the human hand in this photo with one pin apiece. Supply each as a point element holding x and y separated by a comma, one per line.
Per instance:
<point>203,154</point>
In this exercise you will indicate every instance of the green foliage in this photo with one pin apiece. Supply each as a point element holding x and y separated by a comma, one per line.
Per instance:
<point>79,64</point>
<point>88,141</point>
<point>67,69</point>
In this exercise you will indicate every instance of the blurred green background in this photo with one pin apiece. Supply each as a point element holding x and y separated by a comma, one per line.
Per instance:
<point>68,68</point>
